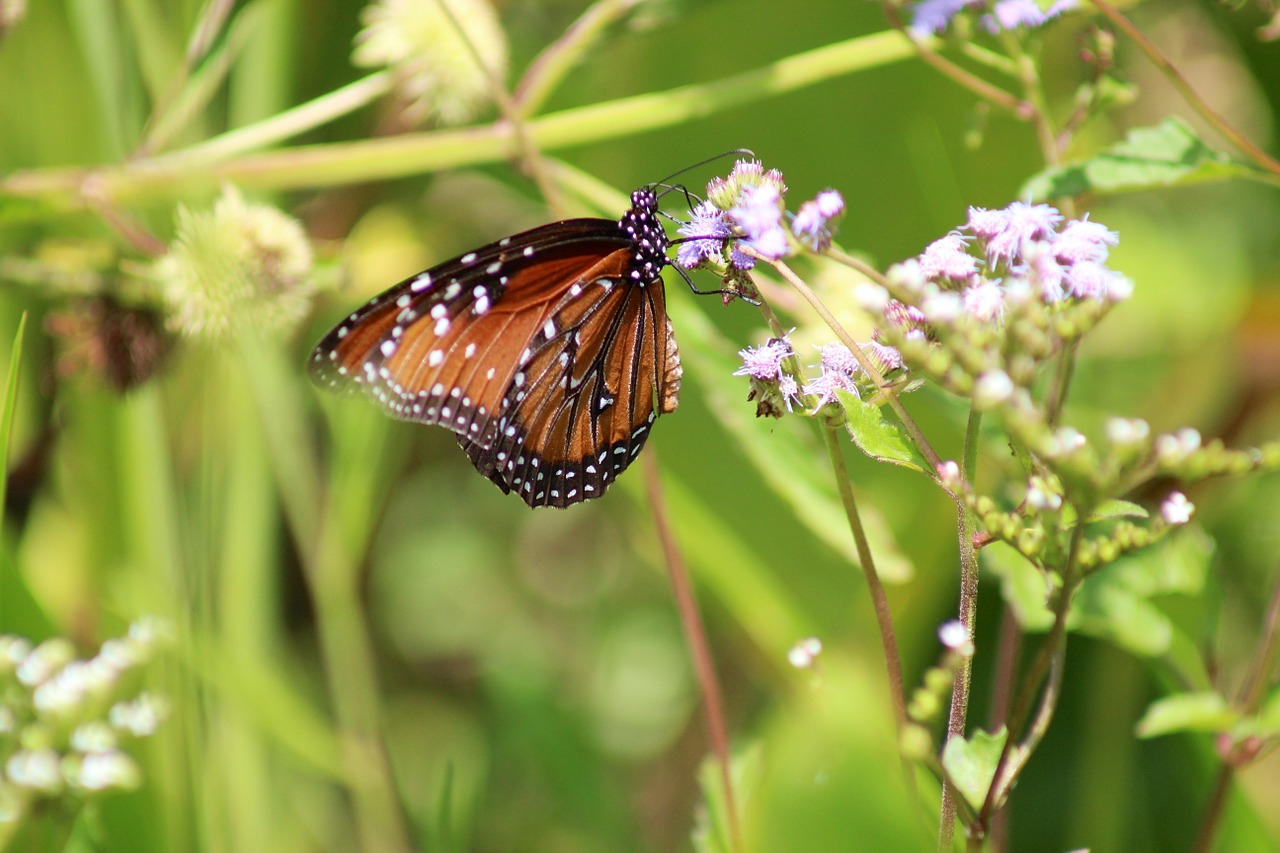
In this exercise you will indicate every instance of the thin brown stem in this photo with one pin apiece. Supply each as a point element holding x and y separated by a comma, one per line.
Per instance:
<point>1184,88</point>
<point>972,82</point>
<point>879,601</point>
<point>696,636</point>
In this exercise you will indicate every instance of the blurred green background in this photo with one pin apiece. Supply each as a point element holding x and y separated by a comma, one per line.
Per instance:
<point>337,580</point>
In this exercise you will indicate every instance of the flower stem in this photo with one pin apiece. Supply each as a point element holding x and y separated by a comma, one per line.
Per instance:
<point>880,602</point>
<point>963,677</point>
<point>696,636</point>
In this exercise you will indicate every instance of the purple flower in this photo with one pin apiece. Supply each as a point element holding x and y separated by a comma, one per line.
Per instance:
<point>1089,280</point>
<point>705,233</point>
<point>932,16</point>
<point>759,216</point>
<point>789,388</point>
<point>948,257</point>
<point>906,316</point>
<point>810,224</point>
<point>839,358</point>
<point>826,386</point>
<point>885,357</point>
<point>1022,224</point>
<point>1010,14</point>
<point>1042,268</point>
<point>984,301</point>
<point>765,362</point>
<point>1082,240</point>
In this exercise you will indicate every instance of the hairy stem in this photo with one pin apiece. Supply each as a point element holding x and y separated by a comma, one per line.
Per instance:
<point>962,680</point>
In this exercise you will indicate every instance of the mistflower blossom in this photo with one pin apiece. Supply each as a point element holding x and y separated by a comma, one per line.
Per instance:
<point>992,388</point>
<point>789,390</point>
<point>1127,431</point>
<point>1021,223</point>
<point>109,770</point>
<point>1082,240</point>
<point>948,257</point>
<point>838,357</point>
<point>1011,14</point>
<point>141,717</point>
<point>905,316</point>
<point>1041,267</point>
<point>955,636</point>
<point>1174,449</point>
<point>885,357</point>
<point>1091,280</point>
<point>436,49</point>
<point>984,301</point>
<point>759,216</point>
<point>35,769</point>
<point>810,225</point>
<point>1176,509</point>
<point>238,267</point>
<point>825,387</point>
<point>705,234</point>
<point>943,307</point>
<point>929,17</point>
<point>765,362</point>
<point>804,654</point>
<point>949,473</point>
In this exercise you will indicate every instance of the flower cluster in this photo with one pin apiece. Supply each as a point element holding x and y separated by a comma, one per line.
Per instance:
<point>980,309</point>
<point>933,16</point>
<point>238,267</point>
<point>437,50</point>
<point>748,209</point>
<point>63,722</point>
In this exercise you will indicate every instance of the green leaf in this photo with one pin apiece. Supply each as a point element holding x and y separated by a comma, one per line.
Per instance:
<point>1117,509</point>
<point>1168,154</point>
<point>876,435</point>
<point>971,763</point>
<point>1022,585</point>
<point>1187,712</point>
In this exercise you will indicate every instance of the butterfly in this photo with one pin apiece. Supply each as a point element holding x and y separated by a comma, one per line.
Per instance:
<point>548,353</point>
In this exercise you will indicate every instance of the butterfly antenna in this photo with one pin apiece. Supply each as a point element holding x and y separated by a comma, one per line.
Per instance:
<point>736,152</point>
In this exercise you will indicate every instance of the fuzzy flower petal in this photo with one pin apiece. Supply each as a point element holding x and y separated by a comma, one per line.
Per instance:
<point>948,257</point>
<point>765,362</point>
<point>707,230</point>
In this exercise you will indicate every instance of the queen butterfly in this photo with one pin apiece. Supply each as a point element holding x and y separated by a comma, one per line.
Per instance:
<point>549,353</point>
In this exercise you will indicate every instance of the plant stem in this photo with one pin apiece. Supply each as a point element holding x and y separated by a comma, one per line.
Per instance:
<point>880,602</point>
<point>696,636</point>
<point>414,153</point>
<point>962,680</point>
<point>1184,88</point>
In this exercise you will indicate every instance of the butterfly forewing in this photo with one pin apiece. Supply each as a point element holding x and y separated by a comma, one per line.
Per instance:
<point>548,353</point>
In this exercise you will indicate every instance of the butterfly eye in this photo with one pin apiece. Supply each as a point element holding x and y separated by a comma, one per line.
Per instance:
<point>548,353</point>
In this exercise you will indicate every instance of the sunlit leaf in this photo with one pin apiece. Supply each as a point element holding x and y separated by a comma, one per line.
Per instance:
<point>971,763</point>
<point>1187,712</point>
<point>876,435</point>
<point>1168,154</point>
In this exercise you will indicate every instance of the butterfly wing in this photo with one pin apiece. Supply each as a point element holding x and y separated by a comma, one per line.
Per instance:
<point>594,379</point>
<point>548,353</point>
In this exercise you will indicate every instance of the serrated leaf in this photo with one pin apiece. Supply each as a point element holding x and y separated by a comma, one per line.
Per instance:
<point>971,763</point>
<point>1187,712</point>
<point>1168,154</point>
<point>876,435</point>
